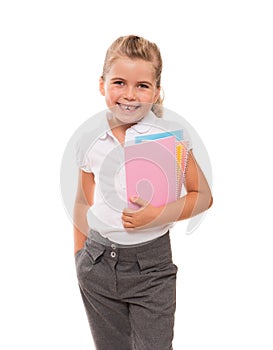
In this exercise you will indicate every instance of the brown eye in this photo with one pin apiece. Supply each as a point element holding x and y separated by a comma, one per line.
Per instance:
<point>143,86</point>
<point>118,82</point>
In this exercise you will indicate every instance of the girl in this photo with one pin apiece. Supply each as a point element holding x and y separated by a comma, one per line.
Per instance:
<point>123,257</point>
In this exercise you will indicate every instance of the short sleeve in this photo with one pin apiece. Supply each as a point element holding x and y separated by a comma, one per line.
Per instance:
<point>81,153</point>
<point>187,138</point>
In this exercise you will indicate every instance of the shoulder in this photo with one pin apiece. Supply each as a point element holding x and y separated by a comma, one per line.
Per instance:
<point>94,131</point>
<point>88,138</point>
<point>173,124</point>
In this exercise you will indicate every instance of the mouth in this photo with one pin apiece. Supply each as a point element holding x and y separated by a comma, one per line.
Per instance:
<point>128,107</point>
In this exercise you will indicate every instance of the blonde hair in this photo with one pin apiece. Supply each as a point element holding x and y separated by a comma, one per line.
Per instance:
<point>133,47</point>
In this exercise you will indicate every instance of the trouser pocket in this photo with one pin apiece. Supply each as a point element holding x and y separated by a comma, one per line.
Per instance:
<point>86,258</point>
<point>156,260</point>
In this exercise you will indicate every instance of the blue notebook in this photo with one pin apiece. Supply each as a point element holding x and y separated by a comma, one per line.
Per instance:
<point>177,133</point>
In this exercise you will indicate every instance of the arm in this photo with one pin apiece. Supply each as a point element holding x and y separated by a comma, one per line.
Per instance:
<point>83,201</point>
<point>197,200</point>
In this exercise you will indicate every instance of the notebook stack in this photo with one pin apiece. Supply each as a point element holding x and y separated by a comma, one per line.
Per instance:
<point>155,167</point>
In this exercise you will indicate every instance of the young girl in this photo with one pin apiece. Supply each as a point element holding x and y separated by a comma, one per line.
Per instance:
<point>123,257</point>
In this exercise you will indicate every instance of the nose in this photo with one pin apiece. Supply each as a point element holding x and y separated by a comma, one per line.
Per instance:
<point>130,94</point>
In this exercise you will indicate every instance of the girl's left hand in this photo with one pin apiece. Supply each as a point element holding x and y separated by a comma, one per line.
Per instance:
<point>144,216</point>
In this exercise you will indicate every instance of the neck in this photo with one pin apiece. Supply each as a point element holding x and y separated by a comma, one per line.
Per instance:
<point>115,124</point>
<point>119,130</point>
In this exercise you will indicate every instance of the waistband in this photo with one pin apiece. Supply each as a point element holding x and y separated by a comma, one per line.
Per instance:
<point>160,244</point>
<point>97,237</point>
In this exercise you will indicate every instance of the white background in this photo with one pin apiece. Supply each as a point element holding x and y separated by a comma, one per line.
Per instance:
<point>217,74</point>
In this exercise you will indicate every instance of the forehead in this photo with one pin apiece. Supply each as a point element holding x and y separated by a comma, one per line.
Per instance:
<point>132,68</point>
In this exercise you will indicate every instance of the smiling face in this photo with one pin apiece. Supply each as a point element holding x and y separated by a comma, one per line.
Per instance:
<point>130,89</point>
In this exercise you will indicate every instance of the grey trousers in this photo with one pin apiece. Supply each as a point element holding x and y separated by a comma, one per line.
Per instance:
<point>129,294</point>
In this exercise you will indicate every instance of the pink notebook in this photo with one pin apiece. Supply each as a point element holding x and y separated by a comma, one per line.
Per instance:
<point>151,171</point>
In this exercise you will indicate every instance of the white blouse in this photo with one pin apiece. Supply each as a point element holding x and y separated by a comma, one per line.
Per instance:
<point>100,153</point>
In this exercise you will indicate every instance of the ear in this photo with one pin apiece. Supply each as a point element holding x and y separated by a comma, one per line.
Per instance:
<point>157,94</point>
<point>101,86</point>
